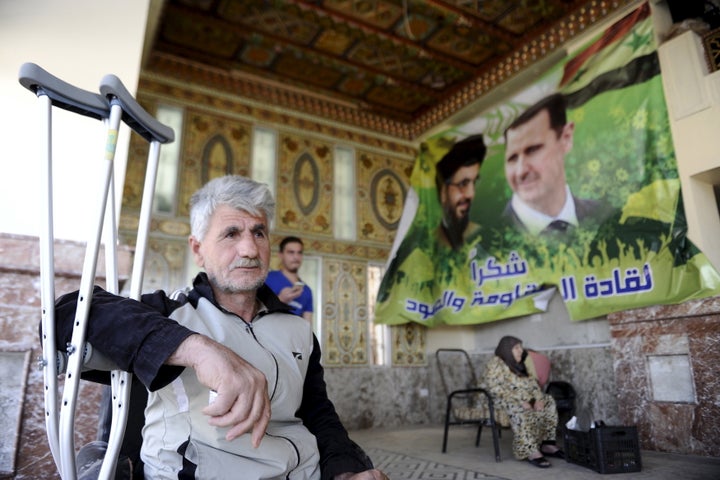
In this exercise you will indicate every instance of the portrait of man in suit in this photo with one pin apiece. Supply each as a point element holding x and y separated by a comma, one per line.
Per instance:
<point>536,144</point>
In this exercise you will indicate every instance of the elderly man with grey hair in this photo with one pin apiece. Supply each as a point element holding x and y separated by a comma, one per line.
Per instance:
<point>235,383</point>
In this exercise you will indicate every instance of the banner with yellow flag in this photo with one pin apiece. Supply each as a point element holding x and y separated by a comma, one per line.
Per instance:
<point>570,188</point>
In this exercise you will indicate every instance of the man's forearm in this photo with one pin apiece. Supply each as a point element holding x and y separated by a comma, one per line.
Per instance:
<point>134,336</point>
<point>187,352</point>
<point>241,399</point>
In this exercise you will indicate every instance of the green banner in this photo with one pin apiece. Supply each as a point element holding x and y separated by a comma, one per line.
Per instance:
<point>569,188</point>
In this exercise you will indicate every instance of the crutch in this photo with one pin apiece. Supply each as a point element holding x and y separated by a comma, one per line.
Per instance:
<point>114,105</point>
<point>123,106</point>
<point>52,91</point>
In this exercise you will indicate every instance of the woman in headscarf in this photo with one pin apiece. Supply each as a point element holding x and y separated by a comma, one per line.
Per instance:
<point>533,415</point>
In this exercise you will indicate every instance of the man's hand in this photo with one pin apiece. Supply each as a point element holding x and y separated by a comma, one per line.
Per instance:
<point>242,401</point>
<point>366,475</point>
<point>288,294</point>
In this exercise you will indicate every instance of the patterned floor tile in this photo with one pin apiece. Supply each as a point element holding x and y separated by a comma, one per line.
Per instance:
<point>400,466</point>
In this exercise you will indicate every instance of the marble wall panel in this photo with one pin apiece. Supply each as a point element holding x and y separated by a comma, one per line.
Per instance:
<point>165,265</point>
<point>138,150</point>
<point>12,394</point>
<point>19,319</point>
<point>691,329</point>
<point>373,397</point>
<point>590,371</point>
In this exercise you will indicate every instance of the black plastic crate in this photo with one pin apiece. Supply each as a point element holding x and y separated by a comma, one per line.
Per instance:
<point>604,449</point>
<point>578,449</point>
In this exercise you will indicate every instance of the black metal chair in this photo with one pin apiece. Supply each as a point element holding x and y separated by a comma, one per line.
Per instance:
<point>564,395</point>
<point>467,402</point>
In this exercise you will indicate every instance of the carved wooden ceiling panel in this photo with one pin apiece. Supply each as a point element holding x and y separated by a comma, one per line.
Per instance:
<point>393,66</point>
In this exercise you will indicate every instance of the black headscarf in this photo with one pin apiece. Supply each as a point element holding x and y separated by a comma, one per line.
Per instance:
<point>504,351</point>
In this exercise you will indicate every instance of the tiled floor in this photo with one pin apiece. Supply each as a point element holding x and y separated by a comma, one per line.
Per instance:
<point>425,442</point>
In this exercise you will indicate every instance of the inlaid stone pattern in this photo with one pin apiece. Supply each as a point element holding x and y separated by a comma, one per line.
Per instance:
<point>382,185</point>
<point>345,313</point>
<point>304,185</point>
<point>711,42</point>
<point>213,145</point>
<point>690,331</point>
<point>135,170</point>
<point>408,344</point>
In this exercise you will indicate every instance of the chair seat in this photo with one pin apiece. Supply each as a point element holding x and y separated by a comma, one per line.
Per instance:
<point>502,419</point>
<point>470,413</point>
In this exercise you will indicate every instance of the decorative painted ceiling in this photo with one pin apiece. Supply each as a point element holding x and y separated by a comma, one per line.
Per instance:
<point>396,67</point>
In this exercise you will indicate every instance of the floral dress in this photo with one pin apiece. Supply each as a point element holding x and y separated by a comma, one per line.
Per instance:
<point>509,391</point>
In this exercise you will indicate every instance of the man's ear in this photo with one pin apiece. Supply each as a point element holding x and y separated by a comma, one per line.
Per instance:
<point>442,194</point>
<point>567,136</point>
<point>195,249</point>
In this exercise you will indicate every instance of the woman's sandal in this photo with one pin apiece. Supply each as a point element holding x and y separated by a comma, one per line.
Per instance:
<point>540,462</point>
<point>557,454</point>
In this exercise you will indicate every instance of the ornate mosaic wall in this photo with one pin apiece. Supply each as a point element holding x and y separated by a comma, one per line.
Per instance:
<point>216,140</point>
<point>711,42</point>
<point>345,313</point>
<point>381,189</point>
<point>213,146</point>
<point>408,345</point>
<point>304,193</point>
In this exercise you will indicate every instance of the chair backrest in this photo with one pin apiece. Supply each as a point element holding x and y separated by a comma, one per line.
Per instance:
<point>456,369</point>
<point>564,395</point>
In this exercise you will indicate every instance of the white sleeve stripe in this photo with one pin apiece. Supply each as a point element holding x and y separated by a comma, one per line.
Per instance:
<point>180,395</point>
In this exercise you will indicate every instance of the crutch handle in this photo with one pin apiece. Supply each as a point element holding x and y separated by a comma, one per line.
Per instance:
<point>135,116</point>
<point>62,94</point>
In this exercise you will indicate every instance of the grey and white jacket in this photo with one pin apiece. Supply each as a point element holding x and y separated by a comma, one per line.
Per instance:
<point>305,438</point>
